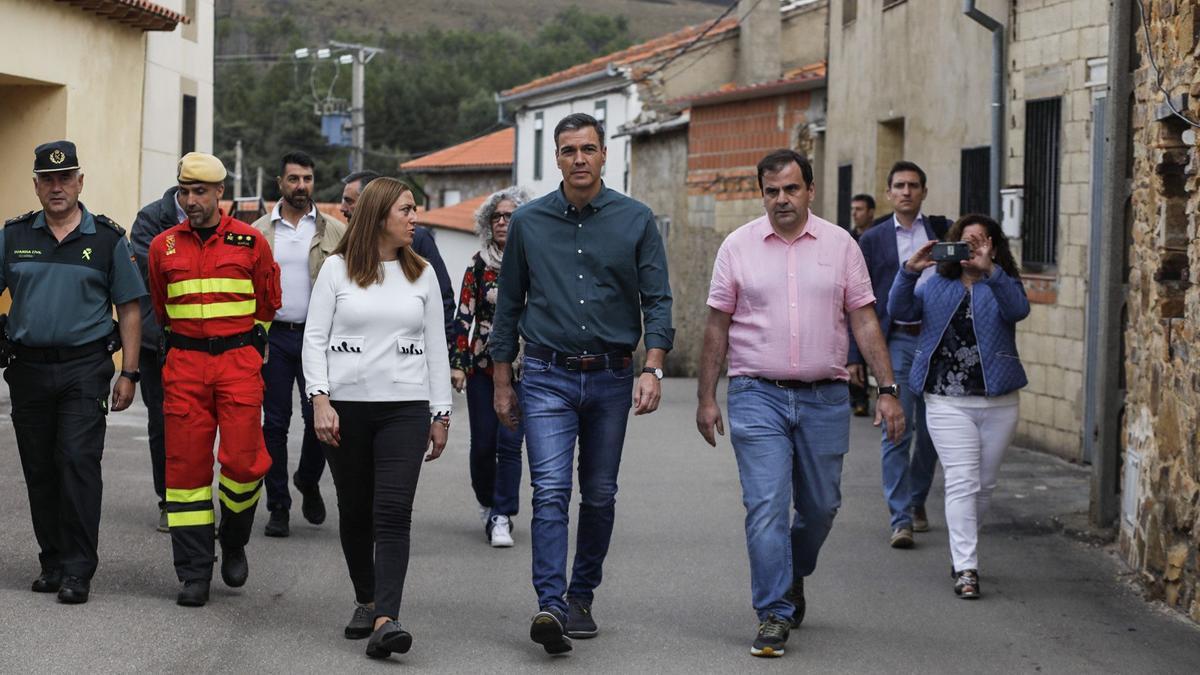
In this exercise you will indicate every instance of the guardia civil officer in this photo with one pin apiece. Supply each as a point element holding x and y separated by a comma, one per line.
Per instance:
<point>66,267</point>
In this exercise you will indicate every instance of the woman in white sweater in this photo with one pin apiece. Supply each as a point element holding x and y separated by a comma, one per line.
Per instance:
<point>378,374</point>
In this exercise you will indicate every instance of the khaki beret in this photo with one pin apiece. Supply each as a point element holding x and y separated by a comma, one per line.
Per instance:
<point>200,167</point>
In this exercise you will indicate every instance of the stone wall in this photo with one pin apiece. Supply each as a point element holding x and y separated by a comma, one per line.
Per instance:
<point>1161,536</point>
<point>1053,52</point>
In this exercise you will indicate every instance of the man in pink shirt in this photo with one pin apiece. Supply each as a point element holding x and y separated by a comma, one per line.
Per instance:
<point>783,290</point>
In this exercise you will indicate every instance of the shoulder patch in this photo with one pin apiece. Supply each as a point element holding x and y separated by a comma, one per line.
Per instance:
<point>23,217</point>
<point>235,239</point>
<point>107,222</point>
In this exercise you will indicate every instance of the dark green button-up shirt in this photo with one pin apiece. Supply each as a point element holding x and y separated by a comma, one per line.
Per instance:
<point>583,281</point>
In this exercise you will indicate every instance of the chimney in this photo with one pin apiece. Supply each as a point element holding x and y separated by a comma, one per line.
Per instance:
<point>759,33</point>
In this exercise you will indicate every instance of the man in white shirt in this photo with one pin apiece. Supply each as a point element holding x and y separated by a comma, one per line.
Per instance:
<point>301,237</point>
<point>885,246</point>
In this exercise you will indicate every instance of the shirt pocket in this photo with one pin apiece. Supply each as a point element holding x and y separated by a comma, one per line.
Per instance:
<point>408,361</point>
<point>345,358</point>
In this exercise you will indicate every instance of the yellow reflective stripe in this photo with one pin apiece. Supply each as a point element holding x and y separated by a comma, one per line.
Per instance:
<point>211,285</point>
<point>200,494</point>
<point>265,324</point>
<point>190,518</point>
<point>238,507</point>
<point>240,488</point>
<point>212,310</point>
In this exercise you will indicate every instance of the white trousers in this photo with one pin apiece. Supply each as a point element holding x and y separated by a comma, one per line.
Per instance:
<point>970,434</point>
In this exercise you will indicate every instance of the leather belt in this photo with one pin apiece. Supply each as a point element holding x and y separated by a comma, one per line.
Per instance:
<point>906,328</point>
<point>799,384</point>
<point>212,345</point>
<point>580,362</point>
<point>288,325</point>
<point>58,354</point>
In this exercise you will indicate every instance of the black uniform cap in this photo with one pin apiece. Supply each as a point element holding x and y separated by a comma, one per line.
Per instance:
<point>55,156</point>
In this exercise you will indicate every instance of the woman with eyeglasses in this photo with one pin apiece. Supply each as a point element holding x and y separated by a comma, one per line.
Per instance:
<point>377,371</point>
<point>495,450</point>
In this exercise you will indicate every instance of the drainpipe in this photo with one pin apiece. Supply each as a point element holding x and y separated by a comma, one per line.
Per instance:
<point>997,154</point>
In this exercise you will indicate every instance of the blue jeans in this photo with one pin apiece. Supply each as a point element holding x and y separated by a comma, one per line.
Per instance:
<point>280,373</point>
<point>495,450</point>
<point>906,482</point>
<point>789,445</point>
<point>559,406</point>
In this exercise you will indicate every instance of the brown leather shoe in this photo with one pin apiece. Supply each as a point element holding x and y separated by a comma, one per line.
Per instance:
<point>902,537</point>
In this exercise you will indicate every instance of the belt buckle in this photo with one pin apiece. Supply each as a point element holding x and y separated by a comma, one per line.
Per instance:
<point>572,363</point>
<point>213,345</point>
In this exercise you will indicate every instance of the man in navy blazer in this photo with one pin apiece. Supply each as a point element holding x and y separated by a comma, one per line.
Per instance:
<point>885,246</point>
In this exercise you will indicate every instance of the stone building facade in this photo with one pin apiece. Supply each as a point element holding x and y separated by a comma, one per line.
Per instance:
<point>1160,533</point>
<point>1056,85</point>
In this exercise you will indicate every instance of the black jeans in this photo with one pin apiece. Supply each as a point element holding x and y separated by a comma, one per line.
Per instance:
<point>58,414</point>
<point>495,450</point>
<point>281,373</point>
<point>152,398</point>
<point>375,471</point>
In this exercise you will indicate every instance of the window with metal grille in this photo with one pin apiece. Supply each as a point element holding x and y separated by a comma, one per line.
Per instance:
<point>1039,230</point>
<point>187,124</point>
<point>538,123</point>
<point>973,184</point>
<point>845,190</point>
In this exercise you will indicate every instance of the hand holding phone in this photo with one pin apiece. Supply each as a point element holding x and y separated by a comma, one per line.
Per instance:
<point>951,251</point>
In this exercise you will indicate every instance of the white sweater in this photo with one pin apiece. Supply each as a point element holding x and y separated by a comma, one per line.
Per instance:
<point>386,342</point>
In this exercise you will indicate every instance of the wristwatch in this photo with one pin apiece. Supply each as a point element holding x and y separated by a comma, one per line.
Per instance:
<point>893,389</point>
<point>656,372</point>
<point>132,375</point>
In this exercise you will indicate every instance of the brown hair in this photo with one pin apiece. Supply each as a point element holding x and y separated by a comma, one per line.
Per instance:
<point>360,246</point>
<point>1004,257</point>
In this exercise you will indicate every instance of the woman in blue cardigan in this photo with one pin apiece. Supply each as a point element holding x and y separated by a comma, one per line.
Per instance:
<point>967,366</point>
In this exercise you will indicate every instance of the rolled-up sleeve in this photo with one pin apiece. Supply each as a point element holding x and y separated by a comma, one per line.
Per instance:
<point>722,289</point>
<point>510,296</point>
<point>859,292</point>
<point>655,287</point>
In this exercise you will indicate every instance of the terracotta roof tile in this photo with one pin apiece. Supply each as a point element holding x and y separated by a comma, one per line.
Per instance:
<point>136,13</point>
<point>638,52</point>
<point>459,217</point>
<point>493,151</point>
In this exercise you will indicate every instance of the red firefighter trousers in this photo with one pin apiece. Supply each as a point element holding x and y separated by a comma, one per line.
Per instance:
<point>202,394</point>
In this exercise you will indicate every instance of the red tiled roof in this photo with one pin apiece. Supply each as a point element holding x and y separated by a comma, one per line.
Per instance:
<point>493,151</point>
<point>135,13</point>
<point>639,52</point>
<point>814,73</point>
<point>459,217</point>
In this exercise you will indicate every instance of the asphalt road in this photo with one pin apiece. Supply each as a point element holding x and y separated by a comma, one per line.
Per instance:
<point>675,596</point>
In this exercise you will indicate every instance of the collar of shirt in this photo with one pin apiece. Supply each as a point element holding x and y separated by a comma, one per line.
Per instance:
<point>87,224</point>
<point>812,228</point>
<point>277,214</point>
<point>919,220</point>
<point>605,197</point>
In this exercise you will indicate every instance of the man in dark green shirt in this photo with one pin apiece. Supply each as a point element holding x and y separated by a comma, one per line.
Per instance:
<point>584,269</point>
<point>66,268</point>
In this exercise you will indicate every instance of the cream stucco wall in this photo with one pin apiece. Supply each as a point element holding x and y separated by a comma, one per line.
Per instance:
<point>177,63</point>
<point>86,72</point>
<point>922,62</point>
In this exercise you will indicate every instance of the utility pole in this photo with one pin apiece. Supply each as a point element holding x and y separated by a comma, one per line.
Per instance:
<point>237,171</point>
<point>360,56</point>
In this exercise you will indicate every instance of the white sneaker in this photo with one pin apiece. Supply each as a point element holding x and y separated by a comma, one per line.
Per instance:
<point>501,532</point>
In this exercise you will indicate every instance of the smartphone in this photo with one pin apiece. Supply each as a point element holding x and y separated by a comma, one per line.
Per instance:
<point>951,251</point>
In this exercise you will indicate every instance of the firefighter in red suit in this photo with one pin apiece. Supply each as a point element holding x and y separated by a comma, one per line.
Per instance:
<point>213,281</point>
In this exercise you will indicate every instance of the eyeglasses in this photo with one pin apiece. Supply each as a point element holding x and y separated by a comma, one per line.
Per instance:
<point>497,216</point>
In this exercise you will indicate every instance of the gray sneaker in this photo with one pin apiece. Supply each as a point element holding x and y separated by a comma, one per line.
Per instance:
<point>771,638</point>
<point>902,537</point>
<point>362,623</point>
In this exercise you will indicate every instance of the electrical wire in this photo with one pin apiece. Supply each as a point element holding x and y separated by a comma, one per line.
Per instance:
<point>691,43</point>
<point>1154,66</point>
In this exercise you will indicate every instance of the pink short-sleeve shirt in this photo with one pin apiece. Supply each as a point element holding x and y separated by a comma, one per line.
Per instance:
<point>789,301</point>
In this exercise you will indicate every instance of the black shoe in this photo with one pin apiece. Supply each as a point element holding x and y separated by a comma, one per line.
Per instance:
<point>361,623</point>
<point>277,526</point>
<point>966,584</point>
<point>234,566</point>
<point>580,623</point>
<point>194,593</point>
<point>388,638</point>
<point>313,506</point>
<point>547,630</point>
<point>772,636</point>
<point>74,590</point>
<point>795,595</point>
<point>48,581</point>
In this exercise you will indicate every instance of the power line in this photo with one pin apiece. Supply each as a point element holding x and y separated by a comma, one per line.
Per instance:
<point>1158,79</point>
<point>691,43</point>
